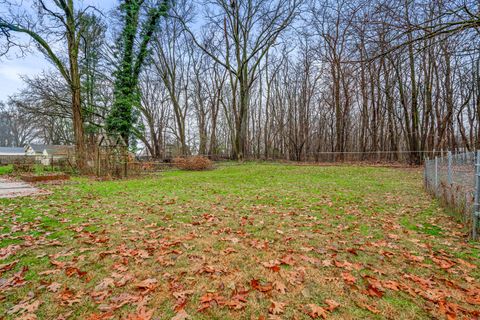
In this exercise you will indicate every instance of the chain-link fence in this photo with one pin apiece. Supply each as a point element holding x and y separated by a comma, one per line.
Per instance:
<point>455,180</point>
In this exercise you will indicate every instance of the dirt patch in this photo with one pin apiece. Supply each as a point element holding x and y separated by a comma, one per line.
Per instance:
<point>12,189</point>
<point>50,177</point>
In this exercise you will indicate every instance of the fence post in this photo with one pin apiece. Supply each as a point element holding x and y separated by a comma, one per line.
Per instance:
<point>449,167</point>
<point>425,173</point>
<point>476,206</point>
<point>436,176</point>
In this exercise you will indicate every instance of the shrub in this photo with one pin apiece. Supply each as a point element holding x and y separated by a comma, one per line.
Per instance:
<point>23,167</point>
<point>196,163</point>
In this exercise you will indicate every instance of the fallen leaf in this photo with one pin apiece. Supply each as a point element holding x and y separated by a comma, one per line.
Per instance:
<point>261,287</point>
<point>147,285</point>
<point>332,304</point>
<point>443,263</point>
<point>141,314</point>
<point>349,278</point>
<point>288,260</point>
<point>68,297</point>
<point>279,286</point>
<point>181,315</point>
<point>7,266</point>
<point>315,311</point>
<point>26,305</point>
<point>273,265</point>
<point>101,316</point>
<point>54,286</point>
<point>370,308</point>
<point>105,284</point>
<point>277,307</point>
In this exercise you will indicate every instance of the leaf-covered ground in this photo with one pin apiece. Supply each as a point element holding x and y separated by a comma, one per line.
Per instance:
<point>250,241</point>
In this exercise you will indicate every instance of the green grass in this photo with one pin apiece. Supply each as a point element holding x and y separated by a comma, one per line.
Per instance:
<point>6,169</point>
<point>318,215</point>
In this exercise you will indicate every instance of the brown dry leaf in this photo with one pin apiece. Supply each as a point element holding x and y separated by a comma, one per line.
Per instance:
<point>26,305</point>
<point>261,287</point>
<point>315,311</point>
<point>353,251</point>
<point>99,296</point>
<point>349,278</point>
<point>211,270</point>
<point>443,263</point>
<point>412,257</point>
<point>143,254</point>
<point>58,264</point>
<point>210,298</point>
<point>54,286</point>
<point>228,251</point>
<point>101,316</point>
<point>393,236</point>
<point>236,302</point>
<point>448,309</point>
<point>121,279</point>
<point>392,285</point>
<point>280,287</point>
<point>296,277</point>
<point>181,315</point>
<point>142,314</point>
<point>273,265</point>
<point>368,307</point>
<point>49,272</point>
<point>466,264</point>
<point>277,307</point>
<point>9,250</point>
<point>374,287</point>
<point>288,260</point>
<point>120,300</point>
<point>258,244</point>
<point>28,316</point>
<point>327,263</point>
<point>71,271</point>
<point>147,285</point>
<point>182,294</point>
<point>17,280</point>
<point>373,291</point>
<point>7,266</point>
<point>332,304</point>
<point>68,297</point>
<point>105,284</point>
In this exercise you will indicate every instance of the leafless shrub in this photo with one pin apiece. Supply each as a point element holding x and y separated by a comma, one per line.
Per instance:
<point>23,167</point>
<point>196,163</point>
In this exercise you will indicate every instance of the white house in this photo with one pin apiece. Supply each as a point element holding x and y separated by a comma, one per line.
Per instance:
<point>45,153</point>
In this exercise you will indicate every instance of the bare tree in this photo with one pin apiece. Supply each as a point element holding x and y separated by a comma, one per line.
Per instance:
<point>246,32</point>
<point>57,20</point>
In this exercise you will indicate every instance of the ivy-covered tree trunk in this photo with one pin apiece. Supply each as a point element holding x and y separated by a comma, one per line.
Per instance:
<point>126,93</point>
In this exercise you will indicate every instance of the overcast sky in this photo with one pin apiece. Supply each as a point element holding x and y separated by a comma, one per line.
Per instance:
<point>12,68</point>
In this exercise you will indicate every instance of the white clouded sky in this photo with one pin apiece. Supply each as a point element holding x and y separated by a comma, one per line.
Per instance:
<point>12,68</point>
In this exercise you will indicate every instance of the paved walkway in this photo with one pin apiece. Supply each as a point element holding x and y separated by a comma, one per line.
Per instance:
<point>12,188</point>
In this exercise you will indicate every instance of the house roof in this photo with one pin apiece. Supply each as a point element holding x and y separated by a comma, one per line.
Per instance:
<point>12,151</point>
<point>110,140</point>
<point>51,148</point>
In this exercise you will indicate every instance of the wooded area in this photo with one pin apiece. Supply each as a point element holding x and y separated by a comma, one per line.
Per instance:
<point>283,79</point>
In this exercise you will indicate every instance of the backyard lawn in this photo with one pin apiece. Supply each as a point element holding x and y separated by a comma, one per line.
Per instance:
<point>252,241</point>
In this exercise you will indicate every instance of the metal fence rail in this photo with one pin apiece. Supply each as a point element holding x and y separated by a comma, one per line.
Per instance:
<point>455,180</point>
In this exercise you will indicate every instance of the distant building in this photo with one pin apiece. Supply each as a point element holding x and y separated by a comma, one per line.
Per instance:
<point>12,151</point>
<point>45,153</point>
<point>9,155</point>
